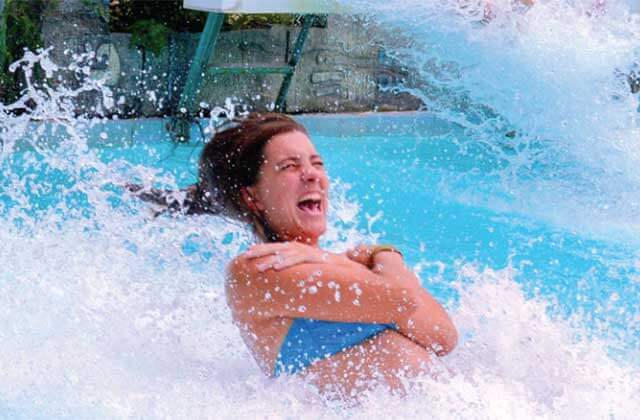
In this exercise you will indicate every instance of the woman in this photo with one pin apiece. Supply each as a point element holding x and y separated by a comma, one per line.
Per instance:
<point>348,322</point>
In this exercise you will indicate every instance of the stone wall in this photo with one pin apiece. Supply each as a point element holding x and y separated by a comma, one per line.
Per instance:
<point>342,69</point>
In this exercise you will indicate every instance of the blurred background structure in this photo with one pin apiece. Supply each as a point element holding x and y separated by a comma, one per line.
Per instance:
<point>143,51</point>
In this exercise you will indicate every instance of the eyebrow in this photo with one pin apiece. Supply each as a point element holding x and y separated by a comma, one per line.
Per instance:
<point>279,163</point>
<point>316,156</point>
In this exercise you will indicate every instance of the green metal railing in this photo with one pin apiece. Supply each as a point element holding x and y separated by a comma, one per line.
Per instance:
<point>308,20</point>
<point>214,71</point>
<point>206,48</point>
<point>181,122</point>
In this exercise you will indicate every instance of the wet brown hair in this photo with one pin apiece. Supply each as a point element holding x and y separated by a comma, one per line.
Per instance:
<point>230,161</point>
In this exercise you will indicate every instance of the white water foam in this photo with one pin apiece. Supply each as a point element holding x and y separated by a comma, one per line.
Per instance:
<point>93,329</point>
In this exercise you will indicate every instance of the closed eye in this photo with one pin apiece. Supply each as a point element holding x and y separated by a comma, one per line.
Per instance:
<point>287,166</point>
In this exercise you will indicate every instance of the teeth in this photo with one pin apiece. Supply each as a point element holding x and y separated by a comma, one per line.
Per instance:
<point>310,205</point>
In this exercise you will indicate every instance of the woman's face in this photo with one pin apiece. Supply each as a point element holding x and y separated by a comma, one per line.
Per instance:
<point>291,192</point>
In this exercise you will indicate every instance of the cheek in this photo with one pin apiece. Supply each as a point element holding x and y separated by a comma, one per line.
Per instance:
<point>324,182</point>
<point>280,196</point>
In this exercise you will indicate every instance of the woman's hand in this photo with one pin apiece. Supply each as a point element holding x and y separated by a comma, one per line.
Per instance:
<point>281,255</point>
<point>429,325</point>
<point>361,254</point>
<point>386,261</point>
<point>376,257</point>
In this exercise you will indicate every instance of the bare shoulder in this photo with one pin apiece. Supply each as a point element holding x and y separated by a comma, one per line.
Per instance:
<point>239,271</point>
<point>242,268</point>
<point>241,292</point>
<point>243,276</point>
<point>236,265</point>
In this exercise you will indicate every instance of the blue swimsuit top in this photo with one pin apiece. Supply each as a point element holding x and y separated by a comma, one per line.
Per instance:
<point>310,340</point>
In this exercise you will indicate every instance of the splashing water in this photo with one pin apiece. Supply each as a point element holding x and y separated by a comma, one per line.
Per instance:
<point>554,76</point>
<point>106,312</point>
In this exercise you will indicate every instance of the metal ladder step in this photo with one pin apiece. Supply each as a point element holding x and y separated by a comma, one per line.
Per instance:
<point>180,123</point>
<point>242,69</point>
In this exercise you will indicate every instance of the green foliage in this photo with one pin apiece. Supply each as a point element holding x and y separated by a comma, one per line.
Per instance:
<point>235,22</point>
<point>151,22</point>
<point>125,13</point>
<point>97,7</point>
<point>149,35</point>
<point>3,40</point>
<point>23,19</point>
<point>8,87</point>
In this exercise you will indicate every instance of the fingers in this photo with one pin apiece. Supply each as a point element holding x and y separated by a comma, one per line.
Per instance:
<point>282,258</point>
<point>281,261</point>
<point>282,255</point>
<point>360,254</point>
<point>262,250</point>
<point>267,262</point>
<point>265,265</point>
<point>285,263</point>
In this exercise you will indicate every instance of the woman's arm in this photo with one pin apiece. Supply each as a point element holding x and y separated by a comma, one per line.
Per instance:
<point>429,324</point>
<point>335,289</point>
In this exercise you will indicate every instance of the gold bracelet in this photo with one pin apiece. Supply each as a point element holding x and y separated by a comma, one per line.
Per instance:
<point>381,248</point>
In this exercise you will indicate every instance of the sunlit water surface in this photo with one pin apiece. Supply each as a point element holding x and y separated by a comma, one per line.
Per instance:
<point>530,241</point>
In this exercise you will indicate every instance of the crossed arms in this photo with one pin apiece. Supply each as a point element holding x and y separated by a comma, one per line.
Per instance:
<point>294,280</point>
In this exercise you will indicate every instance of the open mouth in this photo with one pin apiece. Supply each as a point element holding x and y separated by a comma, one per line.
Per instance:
<point>311,206</point>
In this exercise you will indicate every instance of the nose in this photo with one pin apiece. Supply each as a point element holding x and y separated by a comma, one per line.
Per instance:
<point>310,173</point>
